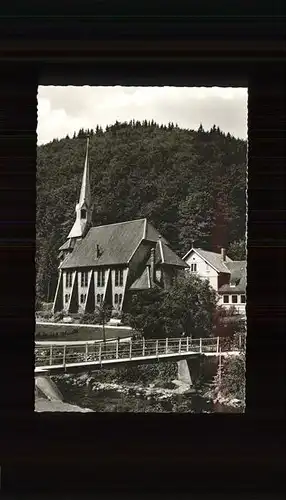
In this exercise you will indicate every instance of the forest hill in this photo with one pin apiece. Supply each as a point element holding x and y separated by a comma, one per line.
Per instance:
<point>191,185</point>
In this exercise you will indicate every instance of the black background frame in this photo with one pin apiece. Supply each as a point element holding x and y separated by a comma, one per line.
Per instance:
<point>119,46</point>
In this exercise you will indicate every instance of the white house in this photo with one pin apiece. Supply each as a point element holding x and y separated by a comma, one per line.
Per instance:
<point>227,277</point>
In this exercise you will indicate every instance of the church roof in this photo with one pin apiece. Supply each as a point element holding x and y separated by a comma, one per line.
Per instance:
<point>111,244</point>
<point>164,255</point>
<point>69,244</point>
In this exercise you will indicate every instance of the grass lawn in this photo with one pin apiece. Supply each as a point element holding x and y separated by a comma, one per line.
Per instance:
<point>46,331</point>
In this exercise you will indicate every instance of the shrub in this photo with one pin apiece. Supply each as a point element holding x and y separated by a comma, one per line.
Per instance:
<point>38,304</point>
<point>45,315</point>
<point>231,382</point>
<point>58,316</point>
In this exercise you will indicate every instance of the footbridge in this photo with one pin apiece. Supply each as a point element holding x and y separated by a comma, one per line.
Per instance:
<point>55,357</point>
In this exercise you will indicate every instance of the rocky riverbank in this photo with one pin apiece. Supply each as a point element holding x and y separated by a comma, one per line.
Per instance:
<point>44,405</point>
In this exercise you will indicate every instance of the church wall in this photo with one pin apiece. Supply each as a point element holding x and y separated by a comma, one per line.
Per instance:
<point>100,289</point>
<point>118,289</point>
<point>83,290</point>
<point>67,290</point>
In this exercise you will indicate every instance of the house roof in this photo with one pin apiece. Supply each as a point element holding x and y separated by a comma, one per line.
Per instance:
<point>116,243</point>
<point>143,282</point>
<point>212,258</point>
<point>237,278</point>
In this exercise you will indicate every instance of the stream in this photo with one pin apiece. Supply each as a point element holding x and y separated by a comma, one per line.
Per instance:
<point>133,398</point>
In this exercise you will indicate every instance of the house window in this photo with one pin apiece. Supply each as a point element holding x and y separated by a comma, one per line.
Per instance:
<point>120,298</point>
<point>68,280</point>
<point>84,279</point>
<point>234,299</point>
<point>193,268</point>
<point>83,213</point>
<point>101,277</point>
<point>67,297</point>
<point>242,299</point>
<point>116,298</point>
<point>225,299</point>
<point>118,277</point>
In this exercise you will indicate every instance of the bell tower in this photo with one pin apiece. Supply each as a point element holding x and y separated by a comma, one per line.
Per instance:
<point>83,211</point>
<point>84,207</point>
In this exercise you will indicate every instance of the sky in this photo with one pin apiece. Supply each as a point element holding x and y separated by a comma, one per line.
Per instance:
<point>64,110</point>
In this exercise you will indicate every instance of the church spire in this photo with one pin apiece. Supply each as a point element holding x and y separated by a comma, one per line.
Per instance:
<point>85,195</point>
<point>84,206</point>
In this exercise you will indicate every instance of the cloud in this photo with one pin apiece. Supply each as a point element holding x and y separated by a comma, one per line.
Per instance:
<point>64,110</point>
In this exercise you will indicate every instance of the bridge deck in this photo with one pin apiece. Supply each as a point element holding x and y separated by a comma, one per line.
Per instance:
<point>76,356</point>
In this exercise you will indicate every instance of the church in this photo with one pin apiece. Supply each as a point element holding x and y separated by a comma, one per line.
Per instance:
<point>101,264</point>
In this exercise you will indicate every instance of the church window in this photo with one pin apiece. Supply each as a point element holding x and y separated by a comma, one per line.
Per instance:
<point>193,268</point>
<point>82,298</point>
<point>120,298</point>
<point>99,298</point>
<point>84,279</point>
<point>68,279</point>
<point>119,277</point>
<point>116,298</point>
<point>101,277</point>
<point>83,213</point>
<point>67,297</point>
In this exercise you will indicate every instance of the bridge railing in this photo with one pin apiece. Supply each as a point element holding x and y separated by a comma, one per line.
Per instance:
<point>51,354</point>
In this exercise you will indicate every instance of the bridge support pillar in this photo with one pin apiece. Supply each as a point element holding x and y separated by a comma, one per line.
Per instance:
<point>45,386</point>
<point>189,370</point>
<point>184,374</point>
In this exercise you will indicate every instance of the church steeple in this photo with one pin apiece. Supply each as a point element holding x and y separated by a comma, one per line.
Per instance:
<point>83,208</point>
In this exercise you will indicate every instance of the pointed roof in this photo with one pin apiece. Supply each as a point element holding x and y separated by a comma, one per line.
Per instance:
<point>165,255</point>
<point>77,231</point>
<point>212,258</point>
<point>116,244</point>
<point>85,194</point>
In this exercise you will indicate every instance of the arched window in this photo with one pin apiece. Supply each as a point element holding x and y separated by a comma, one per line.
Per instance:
<point>116,298</point>
<point>98,298</point>
<point>66,297</point>
<point>120,298</point>
<point>101,298</point>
